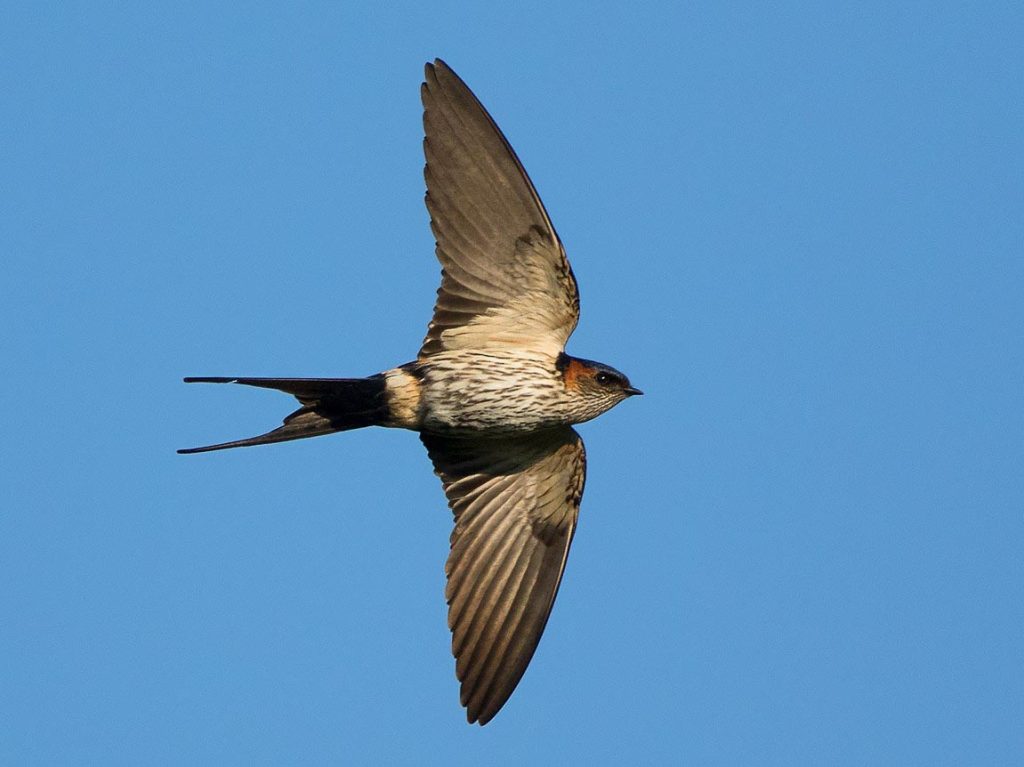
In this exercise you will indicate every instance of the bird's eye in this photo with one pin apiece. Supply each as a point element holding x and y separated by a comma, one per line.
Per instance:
<point>603,378</point>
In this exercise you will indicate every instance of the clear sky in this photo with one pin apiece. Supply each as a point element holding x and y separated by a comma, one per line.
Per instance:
<point>798,227</point>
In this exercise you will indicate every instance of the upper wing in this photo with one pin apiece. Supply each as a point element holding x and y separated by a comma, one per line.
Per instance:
<point>515,503</point>
<point>505,280</point>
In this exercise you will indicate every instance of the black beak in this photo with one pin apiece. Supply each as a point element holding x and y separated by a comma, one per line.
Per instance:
<point>632,391</point>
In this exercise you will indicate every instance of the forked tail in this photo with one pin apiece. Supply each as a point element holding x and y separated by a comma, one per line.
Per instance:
<point>328,405</point>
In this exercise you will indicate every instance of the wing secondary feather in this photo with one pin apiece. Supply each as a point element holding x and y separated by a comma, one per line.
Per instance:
<point>505,279</point>
<point>515,504</point>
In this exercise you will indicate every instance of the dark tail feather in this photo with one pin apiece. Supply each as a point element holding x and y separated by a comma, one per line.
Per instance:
<point>328,405</point>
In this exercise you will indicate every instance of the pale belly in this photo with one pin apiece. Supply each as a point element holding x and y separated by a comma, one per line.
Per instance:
<point>490,392</point>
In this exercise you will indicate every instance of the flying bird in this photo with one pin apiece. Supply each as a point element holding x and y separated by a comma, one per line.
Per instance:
<point>492,394</point>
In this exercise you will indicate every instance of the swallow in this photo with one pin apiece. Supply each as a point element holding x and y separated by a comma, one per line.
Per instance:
<point>492,394</point>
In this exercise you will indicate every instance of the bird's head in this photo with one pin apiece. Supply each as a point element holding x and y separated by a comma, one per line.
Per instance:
<point>593,387</point>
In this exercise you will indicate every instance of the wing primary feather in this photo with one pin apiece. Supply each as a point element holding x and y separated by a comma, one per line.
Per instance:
<point>515,504</point>
<point>470,609</point>
<point>515,601</point>
<point>482,205</point>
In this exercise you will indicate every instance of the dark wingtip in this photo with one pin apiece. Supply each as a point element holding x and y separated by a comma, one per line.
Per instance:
<point>209,379</point>
<point>474,717</point>
<point>439,66</point>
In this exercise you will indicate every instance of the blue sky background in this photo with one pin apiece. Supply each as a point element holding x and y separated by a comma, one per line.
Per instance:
<point>797,227</point>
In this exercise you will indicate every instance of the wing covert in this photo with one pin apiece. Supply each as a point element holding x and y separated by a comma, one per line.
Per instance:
<point>515,504</point>
<point>505,279</point>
